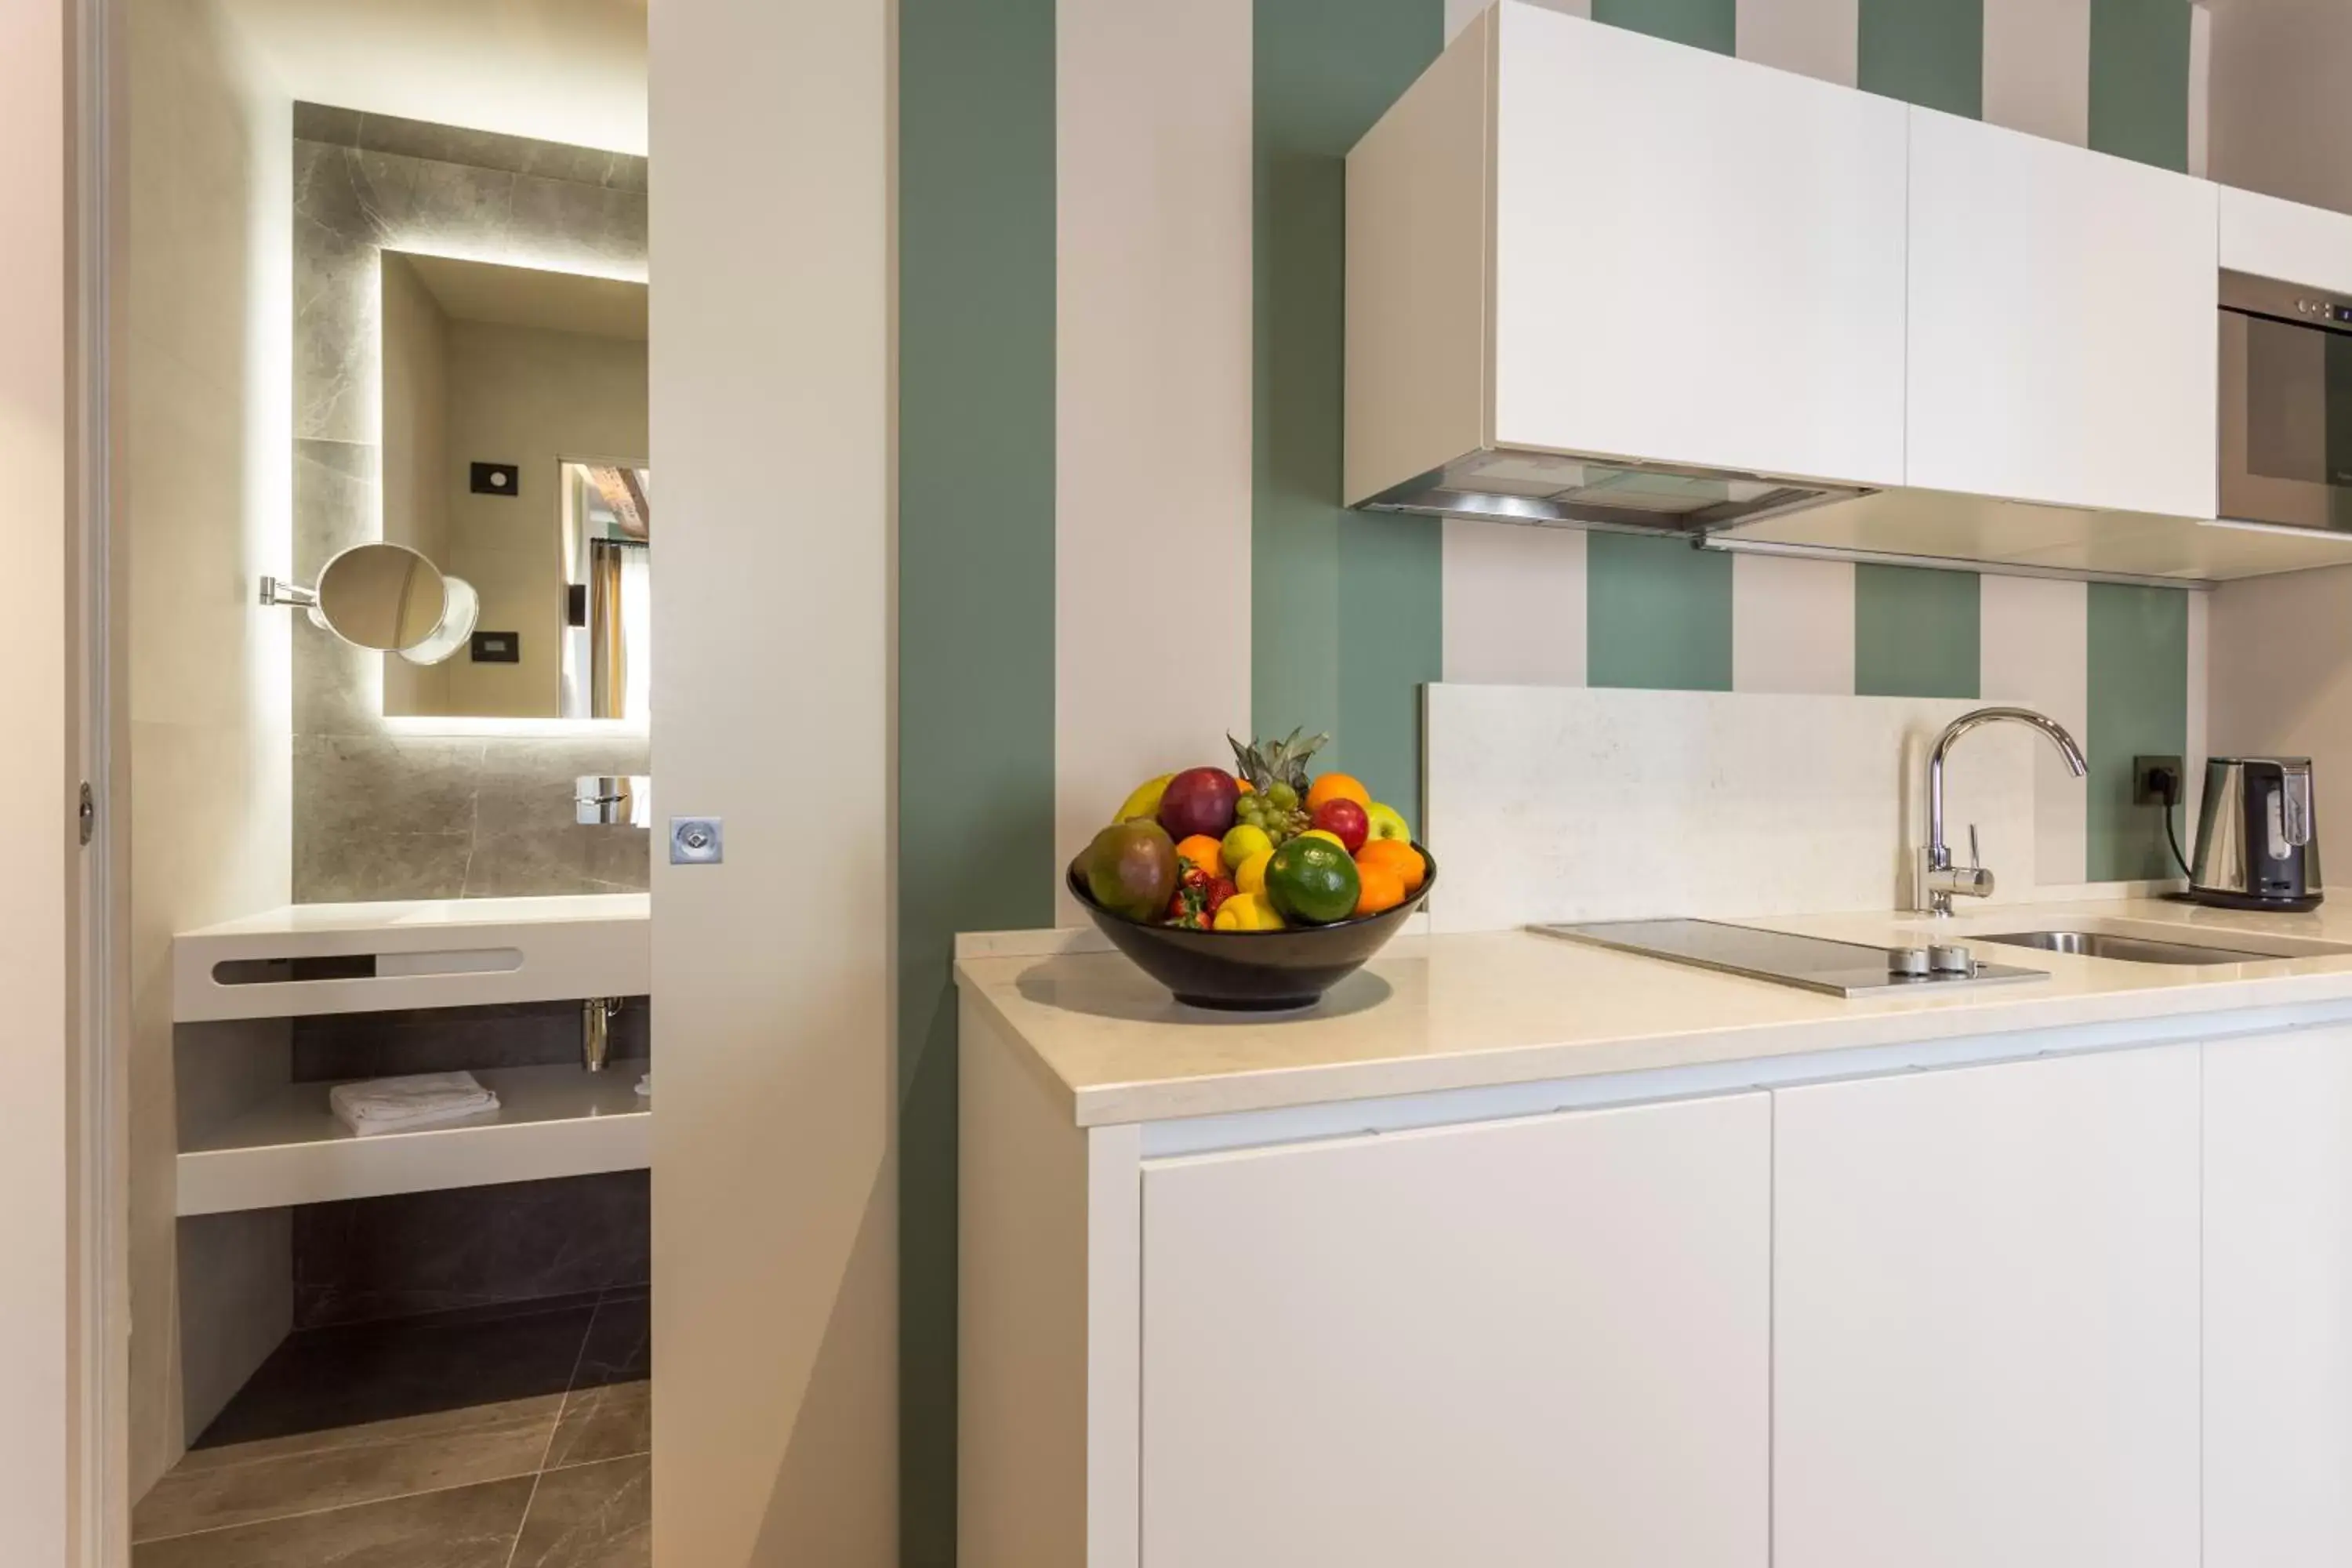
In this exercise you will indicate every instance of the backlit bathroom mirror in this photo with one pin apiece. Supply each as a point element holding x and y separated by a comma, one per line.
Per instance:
<point>514,420</point>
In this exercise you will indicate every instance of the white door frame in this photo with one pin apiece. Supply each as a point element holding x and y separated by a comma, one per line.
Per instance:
<point>62,1194</point>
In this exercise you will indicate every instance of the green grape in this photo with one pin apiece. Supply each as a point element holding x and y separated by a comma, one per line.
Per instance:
<point>1281,796</point>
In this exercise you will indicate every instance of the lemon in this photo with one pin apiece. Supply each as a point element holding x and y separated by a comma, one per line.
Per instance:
<point>1325,834</point>
<point>1245,841</point>
<point>1250,875</point>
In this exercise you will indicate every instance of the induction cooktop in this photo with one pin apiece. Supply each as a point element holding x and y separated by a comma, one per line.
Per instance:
<point>1811,962</point>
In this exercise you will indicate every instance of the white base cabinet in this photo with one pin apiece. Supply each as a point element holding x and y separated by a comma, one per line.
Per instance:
<point>1527,1342</point>
<point>1985,1317</point>
<point>2278,1300</point>
<point>2084,1309</point>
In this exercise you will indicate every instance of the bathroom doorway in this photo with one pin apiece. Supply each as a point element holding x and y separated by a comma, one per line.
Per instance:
<point>378,284</point>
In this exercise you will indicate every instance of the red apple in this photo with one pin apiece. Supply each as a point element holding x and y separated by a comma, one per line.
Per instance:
<point>1199,800</point>
<point>1345,820</point>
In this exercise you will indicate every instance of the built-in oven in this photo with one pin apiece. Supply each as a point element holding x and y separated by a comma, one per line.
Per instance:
<point>2286,404</point>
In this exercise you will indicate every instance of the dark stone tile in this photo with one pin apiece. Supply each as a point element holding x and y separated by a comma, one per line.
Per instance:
<point>370,1259</point>
<point>567,858</point>
<point>572,228</point>
<point>319,1379</point>
<point>418,139</point>
<point>591,1516</point>
<point>620,1345</point>
<point>360,866</point>
<point>466,1526</point>
<point>335,1047</point>
<point>317,123</point>
<point>608,1423</point>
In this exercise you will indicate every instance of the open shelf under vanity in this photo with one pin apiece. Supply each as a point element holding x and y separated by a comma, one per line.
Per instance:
<point>550,1121</point>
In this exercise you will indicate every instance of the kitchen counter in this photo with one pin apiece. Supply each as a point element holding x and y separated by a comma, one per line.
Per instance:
<point>1440,1013</point>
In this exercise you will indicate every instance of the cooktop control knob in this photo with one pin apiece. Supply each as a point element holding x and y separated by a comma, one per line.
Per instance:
<point>1908,962</point>
<point>1950,958</point>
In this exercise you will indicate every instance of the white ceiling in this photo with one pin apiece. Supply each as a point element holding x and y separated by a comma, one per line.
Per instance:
<point>559,70</point>
<point>527,297</point>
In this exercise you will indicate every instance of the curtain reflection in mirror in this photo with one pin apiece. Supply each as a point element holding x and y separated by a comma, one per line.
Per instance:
<point>607,654</point>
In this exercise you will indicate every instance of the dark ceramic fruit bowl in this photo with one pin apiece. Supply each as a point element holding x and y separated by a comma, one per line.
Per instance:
<point>1252,970</point>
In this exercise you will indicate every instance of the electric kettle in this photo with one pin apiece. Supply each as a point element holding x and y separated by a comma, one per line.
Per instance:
<point>2257,835</point>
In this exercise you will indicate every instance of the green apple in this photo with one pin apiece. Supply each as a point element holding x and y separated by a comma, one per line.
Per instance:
<point>1387,822</point>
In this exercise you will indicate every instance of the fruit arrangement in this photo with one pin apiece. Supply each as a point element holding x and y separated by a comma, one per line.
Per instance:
<point>1264,846</point>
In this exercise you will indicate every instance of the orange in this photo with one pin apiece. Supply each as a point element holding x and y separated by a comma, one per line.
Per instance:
<point>1244,785</point>
<point>1335,786</point>
<point>1395,855</point>
<point>1378,888</point>
<point>1204,852</point>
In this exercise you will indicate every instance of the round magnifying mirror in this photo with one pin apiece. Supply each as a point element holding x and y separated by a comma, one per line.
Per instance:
<point>389,597</point>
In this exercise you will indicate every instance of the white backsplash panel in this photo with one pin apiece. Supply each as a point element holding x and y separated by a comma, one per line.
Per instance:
<point>1549,803</point>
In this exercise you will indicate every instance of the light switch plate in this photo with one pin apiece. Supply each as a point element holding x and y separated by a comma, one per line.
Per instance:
<point>696,840</point>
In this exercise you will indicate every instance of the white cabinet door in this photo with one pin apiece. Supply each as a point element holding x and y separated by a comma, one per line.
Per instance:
<point>2278,1300</point>
<point>2062,324</point>
<point>1985,1317</point>
<point>1520,1344</point>
<point>1697,259</point>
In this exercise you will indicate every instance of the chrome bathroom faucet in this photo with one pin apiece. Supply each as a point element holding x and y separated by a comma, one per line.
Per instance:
<point>1937,880</point>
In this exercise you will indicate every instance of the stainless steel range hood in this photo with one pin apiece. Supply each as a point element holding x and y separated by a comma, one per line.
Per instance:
<point>1614,493</point>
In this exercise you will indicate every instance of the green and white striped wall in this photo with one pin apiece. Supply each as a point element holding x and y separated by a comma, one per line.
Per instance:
<point>1119,428</point>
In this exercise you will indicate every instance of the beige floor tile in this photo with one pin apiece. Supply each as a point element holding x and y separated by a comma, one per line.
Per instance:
<point>246,1482</point>
<point>589,1516</point>
<point>466,1527</point>
<point>609,1422</point>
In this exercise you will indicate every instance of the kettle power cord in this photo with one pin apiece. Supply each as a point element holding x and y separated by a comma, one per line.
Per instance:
<point>2166,782</point>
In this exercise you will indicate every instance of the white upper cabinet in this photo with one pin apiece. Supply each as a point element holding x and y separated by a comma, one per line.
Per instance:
<point>1571,238</point>
<point>2062,324</point>
<point>1697,259</point>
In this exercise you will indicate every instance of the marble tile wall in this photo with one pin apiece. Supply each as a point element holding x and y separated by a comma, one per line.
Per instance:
<point>335,1047</point>
<point>367,1259</point>
<point>380,813</point>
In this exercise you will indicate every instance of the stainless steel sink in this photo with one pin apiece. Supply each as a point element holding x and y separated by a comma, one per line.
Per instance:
<point>2129,949</point>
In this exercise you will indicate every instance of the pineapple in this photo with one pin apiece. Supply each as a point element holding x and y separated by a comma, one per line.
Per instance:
<point>1277,771</point>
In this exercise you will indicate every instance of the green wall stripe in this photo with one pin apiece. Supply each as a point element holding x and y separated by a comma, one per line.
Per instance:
<point>1927,52</point>
<point>976,313</point>
<point>2138,692</point>
<point>1657,614</point>
<point>1707,24</point>
<point>1917,632</point>
<point>2139,81</point>
<point>1344,609</point>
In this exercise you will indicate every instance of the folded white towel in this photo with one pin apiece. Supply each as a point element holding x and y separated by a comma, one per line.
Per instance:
<point>645,1086</point>
<point>392,1104</point>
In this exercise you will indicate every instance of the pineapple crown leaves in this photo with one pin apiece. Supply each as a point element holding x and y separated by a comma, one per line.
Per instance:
<point>1264,762</point>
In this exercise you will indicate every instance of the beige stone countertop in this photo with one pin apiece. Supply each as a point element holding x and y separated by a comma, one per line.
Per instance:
<point>1435,1012</point>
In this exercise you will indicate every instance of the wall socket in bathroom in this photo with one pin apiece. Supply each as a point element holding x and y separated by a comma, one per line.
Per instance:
<point>697,841</point>
<point>2149,778</point>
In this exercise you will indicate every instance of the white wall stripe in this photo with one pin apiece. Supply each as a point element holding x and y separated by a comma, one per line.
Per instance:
<point>2036,650</point>
<point>1514,606</point>
<point>1152,392</point>
<point>1792,625</point>
<point>1816,37</point>
<point>1460,13</point>
<point>2037,66</point>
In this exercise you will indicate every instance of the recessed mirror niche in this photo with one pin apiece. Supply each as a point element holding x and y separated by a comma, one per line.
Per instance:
<point>514,443</point>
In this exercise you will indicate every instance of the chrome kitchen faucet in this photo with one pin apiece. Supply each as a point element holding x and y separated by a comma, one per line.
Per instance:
<point>1937,880</point>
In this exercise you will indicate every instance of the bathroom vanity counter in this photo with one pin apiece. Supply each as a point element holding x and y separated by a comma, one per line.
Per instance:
<point>1518,1250</point>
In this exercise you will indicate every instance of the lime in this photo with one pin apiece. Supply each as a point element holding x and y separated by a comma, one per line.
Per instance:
<point>1312,881</point>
